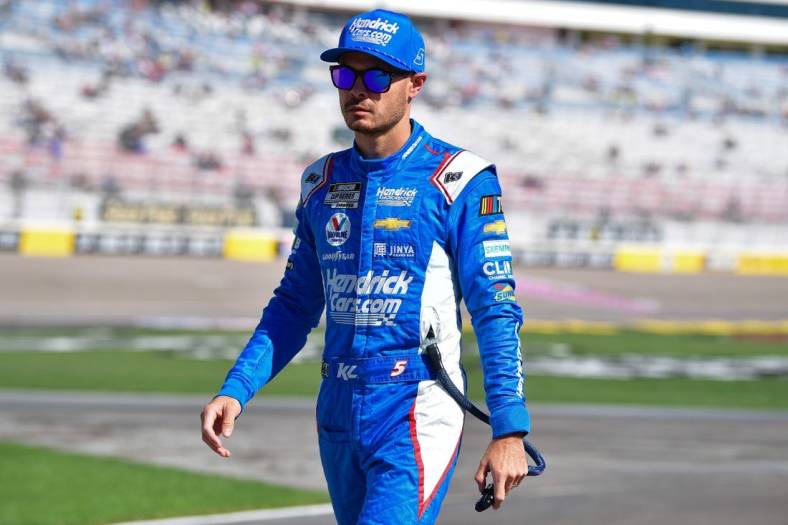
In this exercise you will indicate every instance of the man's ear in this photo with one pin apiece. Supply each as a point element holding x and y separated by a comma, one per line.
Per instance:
<point>417,81</point>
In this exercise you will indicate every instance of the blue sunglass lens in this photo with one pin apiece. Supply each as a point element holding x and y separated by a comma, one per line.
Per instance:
<point>343,77</point>
<point>377,80</point>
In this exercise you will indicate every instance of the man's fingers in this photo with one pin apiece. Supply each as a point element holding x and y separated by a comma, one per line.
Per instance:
<point>501,489</point>
<point>208,418</point>
<point>481,475</point>
<point>216,448</point>
<point>228,411</point>
<point>227,425</point>
<point>209,422</point>
<point>210,437</point>
<point>509,484</point>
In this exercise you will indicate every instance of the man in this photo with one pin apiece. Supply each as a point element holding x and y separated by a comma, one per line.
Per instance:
<point>391,234</point>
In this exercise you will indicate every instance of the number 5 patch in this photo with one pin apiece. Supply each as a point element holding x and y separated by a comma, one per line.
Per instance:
<point>399,367</point>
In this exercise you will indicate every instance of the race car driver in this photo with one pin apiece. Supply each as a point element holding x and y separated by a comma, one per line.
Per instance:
<point>392,234</point>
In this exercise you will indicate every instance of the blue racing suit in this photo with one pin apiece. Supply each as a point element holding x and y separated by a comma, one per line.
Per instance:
<point>389,247</point>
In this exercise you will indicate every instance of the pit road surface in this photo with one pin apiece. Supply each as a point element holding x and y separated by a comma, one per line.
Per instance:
<point>607,465</point>
<point>93,290</point>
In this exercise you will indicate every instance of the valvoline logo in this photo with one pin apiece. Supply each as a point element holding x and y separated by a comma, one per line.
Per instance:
<point>338,229</point>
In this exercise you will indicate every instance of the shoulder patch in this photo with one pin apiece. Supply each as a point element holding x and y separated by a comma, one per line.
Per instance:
<point>456,171</point>
<point>315,176</point>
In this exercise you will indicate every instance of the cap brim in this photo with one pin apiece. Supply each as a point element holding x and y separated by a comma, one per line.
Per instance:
<point>332,55</point>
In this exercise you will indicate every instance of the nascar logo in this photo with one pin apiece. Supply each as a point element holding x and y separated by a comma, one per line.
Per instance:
<point>490,205</point>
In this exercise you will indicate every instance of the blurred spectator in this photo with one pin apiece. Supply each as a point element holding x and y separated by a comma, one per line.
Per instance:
<point>208,161</point>
<point>18,183</point>
<point>130,138</point>
<point>180,144</point>
<point>34,117</point>
<point>247,146</point>
<point>14,72</point>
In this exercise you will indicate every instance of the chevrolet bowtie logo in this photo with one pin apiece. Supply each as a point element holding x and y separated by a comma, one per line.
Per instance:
<point>392,224</point>
<point>497,227</point>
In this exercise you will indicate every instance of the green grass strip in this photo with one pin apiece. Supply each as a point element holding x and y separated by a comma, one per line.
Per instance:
<point>629,342</point>
<point>763,394</point>
<point>43,487</point>
<point>135,372</point>
<point>167,372</point>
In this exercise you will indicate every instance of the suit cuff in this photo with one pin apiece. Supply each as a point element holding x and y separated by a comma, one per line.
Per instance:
<point>509,419</point>
<point>234,391</point>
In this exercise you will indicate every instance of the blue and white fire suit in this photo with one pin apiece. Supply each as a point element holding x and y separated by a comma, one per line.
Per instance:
<point>389,247</point>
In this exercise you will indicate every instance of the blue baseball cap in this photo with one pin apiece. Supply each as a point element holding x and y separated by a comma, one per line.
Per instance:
<point>389,36</point>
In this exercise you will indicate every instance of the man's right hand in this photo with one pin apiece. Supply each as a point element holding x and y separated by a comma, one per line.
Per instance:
<point>218,418</point>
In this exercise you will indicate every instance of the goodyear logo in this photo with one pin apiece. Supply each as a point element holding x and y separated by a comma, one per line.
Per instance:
<point>392,224</point>
<point>497,227</point>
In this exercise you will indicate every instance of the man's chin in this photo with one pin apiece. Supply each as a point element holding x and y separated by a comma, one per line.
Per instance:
<point>362,126</point>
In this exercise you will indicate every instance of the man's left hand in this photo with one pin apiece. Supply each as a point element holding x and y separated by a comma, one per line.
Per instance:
<point>505,460</point>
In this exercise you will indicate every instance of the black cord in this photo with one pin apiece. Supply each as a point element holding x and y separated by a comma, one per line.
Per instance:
<point>434,354</point>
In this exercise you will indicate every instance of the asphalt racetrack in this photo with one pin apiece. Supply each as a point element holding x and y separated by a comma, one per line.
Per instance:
<point>96,290</point>
<point>607,465</point>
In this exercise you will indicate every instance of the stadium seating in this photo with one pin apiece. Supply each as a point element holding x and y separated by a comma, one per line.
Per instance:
<point>577,130</point>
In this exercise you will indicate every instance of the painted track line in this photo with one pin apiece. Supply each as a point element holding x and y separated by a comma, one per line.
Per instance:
<point>242,517</point>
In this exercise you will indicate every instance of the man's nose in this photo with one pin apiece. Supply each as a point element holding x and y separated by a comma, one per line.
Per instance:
<point>359,89</point>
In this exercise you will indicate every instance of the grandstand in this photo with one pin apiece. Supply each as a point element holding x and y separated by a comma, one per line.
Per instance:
<point>601,139</point>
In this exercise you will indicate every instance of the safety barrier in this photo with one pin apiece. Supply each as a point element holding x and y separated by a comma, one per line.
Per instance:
<point>265,245</point>
<point>655,259</point>
<point>47,242</point>
<point>250,245</point>
<point>762,263</point>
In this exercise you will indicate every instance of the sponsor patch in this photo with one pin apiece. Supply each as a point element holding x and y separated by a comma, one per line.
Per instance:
<point>497,269</point>
<point>504,292</point>
<point>343,195</point>
<point>338,229</point>
<point>394,249</point>
<point>452,176</point>
<point>392,224</point>
<point>494,249</point>
<point>290,265</point>
<point>296,244</point>
<point>348,300</point>
<point>396,196</point>
<point>312,178</point>
<point>497,227</point>
<point>338,256</point>
<point>490,205</point>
